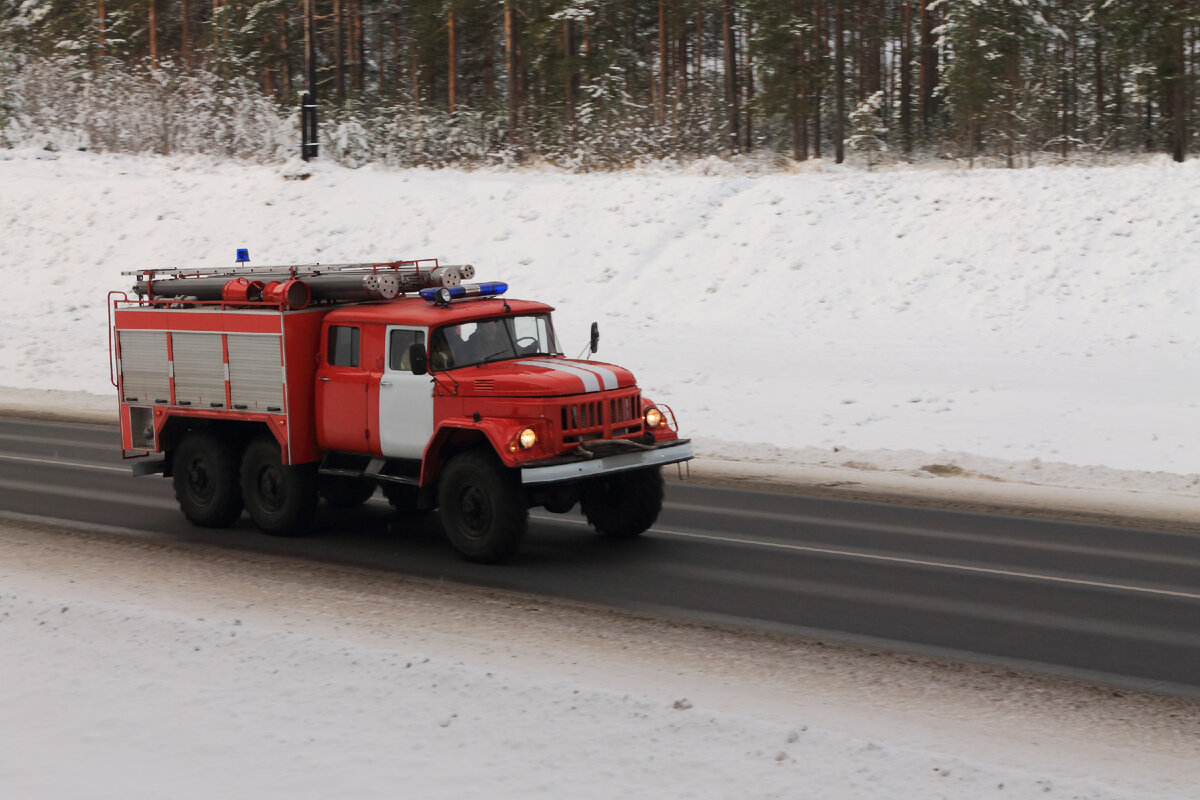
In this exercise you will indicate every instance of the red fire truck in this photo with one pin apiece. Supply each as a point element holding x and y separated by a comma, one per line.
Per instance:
<point>265,388</point>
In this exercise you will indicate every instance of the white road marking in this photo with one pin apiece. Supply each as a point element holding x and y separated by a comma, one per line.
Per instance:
<point>912,562</point>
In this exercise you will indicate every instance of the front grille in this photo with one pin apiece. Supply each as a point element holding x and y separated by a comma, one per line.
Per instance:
<point>603,418</point>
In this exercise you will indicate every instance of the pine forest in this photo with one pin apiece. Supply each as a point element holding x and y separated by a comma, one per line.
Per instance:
<point>604,84</point>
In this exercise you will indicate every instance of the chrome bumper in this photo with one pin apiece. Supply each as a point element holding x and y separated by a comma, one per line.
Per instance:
<point>668,453</point>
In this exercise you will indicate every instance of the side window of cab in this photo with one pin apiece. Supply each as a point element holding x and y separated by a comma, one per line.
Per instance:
<point>342,348</point>
<point>400,342</point>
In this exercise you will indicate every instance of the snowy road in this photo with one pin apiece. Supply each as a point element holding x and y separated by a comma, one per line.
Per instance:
<point>1076,599</point>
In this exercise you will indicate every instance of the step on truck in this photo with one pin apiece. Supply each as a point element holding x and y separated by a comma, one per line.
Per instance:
<point>265,389</point>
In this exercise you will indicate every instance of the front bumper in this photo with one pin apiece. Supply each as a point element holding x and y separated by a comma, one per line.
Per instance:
<point>568,468</point>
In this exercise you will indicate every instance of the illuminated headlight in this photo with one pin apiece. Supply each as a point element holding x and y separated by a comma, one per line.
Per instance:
<point>654,417</point>
<point>527,438</point>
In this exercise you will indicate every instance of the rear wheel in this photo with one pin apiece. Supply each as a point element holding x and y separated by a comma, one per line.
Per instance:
<point>624,504</point>
<point>205,474</point>
<point>482,507</point>
<point>281,500</point>
<point>342,491</point>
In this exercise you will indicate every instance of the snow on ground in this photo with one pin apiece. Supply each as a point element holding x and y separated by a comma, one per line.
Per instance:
<point>1015,324</point>
<point>148,669</point>
<point>1031,326</point>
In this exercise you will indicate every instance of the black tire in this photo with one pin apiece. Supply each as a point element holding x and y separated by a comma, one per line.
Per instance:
<point>342,491</point>
<point>402,496</point>
<point>624,504</point>
<point>482,507</point>
<point>205,474</point>
<point>281,500</point>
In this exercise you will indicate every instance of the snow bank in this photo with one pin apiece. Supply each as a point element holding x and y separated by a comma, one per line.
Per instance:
<point>146,669</point>
<point>1032,317</point>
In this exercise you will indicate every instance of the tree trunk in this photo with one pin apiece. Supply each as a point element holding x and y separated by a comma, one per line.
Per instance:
<point>819,52</point>
<point>1062,100</point>
<point>153,23</point>
<point>452,66</point>
<point>511,66</point>
<point>339,51</point>
<point>185,18</point>
<point>571,79</point>
<point>929,65</point>
<point>906,75</point>
<point>748,71</point>
<point>310,50</point>
<point>1098,68</point>
<point>1178,94</point>
<point>1012,69</point>
<point>358,44</point>
<point>101,24</point>
<point>682,63</point>
<point>839,78</point>
<point>729,37</point>
<point>285,63</point>
<point>661,109</point>
<point>268,80</point>
<point>381,51</point>
<point>799,98</point>
<point>489,64</point>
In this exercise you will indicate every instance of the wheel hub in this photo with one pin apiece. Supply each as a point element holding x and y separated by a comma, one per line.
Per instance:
<point>270,488</point>
<point>199,480</point>
<point>476,511</point>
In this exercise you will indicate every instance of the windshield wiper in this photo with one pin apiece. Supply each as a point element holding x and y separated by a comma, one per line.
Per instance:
<point>498,355</point>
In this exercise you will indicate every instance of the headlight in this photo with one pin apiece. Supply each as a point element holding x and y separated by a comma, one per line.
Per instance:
<point>527,438</point>
<point>654,417</point>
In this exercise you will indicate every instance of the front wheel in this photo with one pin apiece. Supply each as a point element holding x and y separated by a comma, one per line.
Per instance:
<point>482,507</point>
<point>281,500</point>
<point>624,504</point>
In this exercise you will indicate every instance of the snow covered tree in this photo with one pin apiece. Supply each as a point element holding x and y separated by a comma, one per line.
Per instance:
<point>870,134</point>
<point>987,41</point>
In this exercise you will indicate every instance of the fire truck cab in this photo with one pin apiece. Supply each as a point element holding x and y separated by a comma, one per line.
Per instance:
<point>266,389</point>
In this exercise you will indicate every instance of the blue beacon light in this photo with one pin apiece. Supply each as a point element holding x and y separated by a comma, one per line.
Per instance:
<point>442,293</point>
<point>243,255</point>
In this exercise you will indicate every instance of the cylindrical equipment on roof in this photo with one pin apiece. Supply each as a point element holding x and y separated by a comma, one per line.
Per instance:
<point>199,288</point>
<point>445,276</point>
<point>289,294</point>
<point>236,290</point>
<point>241,290</point>
<point>352,287</point>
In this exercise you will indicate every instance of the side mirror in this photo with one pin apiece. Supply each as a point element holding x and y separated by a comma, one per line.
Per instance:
<point>594,342</point>
<point>417,358</point>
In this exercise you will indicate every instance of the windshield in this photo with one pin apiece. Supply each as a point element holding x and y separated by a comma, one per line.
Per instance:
<point>486,340</point>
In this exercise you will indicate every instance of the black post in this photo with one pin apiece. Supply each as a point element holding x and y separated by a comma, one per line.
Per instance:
<point>309,143</point>
<point>308,126</point>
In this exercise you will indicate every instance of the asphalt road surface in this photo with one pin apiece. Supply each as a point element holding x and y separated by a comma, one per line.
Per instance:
<point>1119,605</point>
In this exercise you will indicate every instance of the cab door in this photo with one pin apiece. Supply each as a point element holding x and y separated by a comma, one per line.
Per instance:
<point>341,392</point>
<point>405,399</point>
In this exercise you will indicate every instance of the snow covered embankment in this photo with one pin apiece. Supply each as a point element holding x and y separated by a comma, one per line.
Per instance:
<point>1031,326</point>
<point>159,669</point>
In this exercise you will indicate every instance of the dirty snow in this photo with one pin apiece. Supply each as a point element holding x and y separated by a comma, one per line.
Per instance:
<point>148,669</point>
